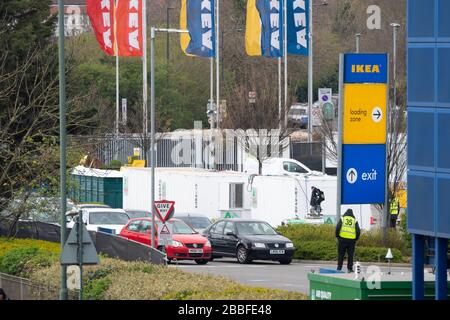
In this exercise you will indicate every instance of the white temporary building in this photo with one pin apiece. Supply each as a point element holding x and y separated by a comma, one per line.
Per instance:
<point>233,194</point>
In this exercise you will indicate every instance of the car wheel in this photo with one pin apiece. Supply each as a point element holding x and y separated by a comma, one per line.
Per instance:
<point>163,250</point>
<point>242,255</point>
<point>201,261</point>
<point>286,261</point>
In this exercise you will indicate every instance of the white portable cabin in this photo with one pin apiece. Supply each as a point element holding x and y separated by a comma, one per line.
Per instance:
<point>214,194</point>
<point>232,194</point>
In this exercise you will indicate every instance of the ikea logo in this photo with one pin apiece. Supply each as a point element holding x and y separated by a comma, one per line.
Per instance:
<point>366,68</point>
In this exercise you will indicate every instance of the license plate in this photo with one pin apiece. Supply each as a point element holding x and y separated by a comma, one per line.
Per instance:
<point>276,251</point>
<point>195,250</point>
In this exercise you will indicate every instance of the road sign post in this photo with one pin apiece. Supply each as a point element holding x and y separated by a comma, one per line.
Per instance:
<point>362,164</point>
<point>165,211</point>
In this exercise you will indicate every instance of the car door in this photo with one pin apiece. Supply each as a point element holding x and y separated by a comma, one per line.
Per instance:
<point>132,231</point>
<point>145,231</point>
<point>230,241</point>
<point>216,237</point>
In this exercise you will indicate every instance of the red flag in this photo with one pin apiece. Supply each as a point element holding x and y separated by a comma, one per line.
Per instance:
<point>129,28</point>
<point>101,15</point>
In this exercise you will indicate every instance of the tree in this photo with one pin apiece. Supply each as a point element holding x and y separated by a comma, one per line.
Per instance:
<point>29,105</point>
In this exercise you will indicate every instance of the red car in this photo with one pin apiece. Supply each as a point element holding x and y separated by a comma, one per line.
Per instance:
<point>186,243</point>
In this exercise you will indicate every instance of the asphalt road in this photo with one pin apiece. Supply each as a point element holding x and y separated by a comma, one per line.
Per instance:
<point>293,277</point>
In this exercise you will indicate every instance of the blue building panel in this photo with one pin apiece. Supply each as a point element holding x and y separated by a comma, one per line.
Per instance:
<point>443,206</point>
<point>421,74</point>
<point>443,76</point>
<point>421,203</point>
<point>421,25</point>
<point>428,82</point>
<point>443,32</point>
<point>421,139</point>
<point>443,143</point>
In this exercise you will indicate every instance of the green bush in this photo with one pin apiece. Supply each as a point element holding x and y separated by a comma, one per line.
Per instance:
<point>22,261</point>
<point>95,289</point>
<point>315,250</point>
<point>373,254</point>
<point>307,232</point>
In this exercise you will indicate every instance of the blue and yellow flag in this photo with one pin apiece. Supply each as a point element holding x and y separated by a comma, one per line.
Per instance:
<point>298,27</point>
<point>197,16</point>
<point>264,30</point>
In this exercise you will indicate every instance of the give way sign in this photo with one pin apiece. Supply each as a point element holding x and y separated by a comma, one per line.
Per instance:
<point>164,209</point>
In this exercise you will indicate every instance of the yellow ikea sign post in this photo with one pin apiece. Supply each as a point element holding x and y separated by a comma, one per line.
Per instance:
<point>365,113</point>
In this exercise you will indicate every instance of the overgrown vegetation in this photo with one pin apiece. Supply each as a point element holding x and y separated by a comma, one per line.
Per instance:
<point>119,280</point>
<point>319,243</point>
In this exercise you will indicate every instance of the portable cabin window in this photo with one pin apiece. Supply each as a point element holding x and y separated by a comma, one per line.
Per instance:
<point>236,195</point>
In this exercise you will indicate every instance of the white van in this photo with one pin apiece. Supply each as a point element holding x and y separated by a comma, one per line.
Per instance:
<point>101,219</point>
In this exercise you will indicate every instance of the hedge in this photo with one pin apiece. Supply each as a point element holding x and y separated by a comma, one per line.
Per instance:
<point>318,242</point>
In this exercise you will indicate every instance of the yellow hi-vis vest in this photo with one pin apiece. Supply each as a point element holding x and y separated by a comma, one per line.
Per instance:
<point>395,207</point>
<point>348,229</point>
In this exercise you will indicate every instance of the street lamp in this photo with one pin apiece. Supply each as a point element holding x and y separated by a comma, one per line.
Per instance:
<point>311,68</point>
<point>358,38</point>
<point>395,27</point>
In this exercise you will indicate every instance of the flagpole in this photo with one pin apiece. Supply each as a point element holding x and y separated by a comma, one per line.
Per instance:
<point>116,49</point>
<point>218,62</point>
<point>285,44</point>
<point>310,73</point>
<point>211,98</point>
<point>279,91</point>
<point>144,77</point>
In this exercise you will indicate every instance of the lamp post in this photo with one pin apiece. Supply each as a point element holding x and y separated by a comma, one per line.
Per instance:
<point>311,67</point>
<point>395,27</point>
<point>62,134</point>
<point>358,38</point>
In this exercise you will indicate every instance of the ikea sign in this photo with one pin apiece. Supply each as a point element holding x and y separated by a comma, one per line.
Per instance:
<point>366,68</point>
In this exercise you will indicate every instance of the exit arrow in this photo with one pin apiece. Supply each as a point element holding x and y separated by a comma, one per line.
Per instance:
<point>352,175</point>
<point>377,114</point>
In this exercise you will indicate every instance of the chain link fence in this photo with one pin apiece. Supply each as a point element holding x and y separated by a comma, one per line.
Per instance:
<point>17,288</point>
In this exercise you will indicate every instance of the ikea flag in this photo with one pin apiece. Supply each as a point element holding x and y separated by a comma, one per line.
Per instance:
<point>197,16</point>
<point>264,30</point>
<point>298,26</point>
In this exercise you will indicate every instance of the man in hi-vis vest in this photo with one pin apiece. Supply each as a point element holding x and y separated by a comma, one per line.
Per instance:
<point>347,233</point>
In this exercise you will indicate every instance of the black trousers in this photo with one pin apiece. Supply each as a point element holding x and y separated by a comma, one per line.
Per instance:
<point>346,245</point>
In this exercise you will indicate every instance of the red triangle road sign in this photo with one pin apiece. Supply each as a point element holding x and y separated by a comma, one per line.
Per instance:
<point>165,230</point>
<point>164,209</point>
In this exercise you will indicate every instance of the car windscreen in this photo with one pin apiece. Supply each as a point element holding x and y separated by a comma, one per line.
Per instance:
<point>108,217</point>
<point>138,214</point>
<point>196,222</point>
<point>180,227</point>
<point>255,228</point>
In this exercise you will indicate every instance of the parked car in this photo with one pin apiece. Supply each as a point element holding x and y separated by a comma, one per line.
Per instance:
<point>185,243</point>
<point>101,219</point>
<point>198,222</point>
<point>134,214</point>
<point>249,240</point>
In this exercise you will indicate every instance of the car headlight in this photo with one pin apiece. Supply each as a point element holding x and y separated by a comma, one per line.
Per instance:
<point>259,245</point>
<point>207,243</point>
<point>289,245</point>
<point>175,244</point>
